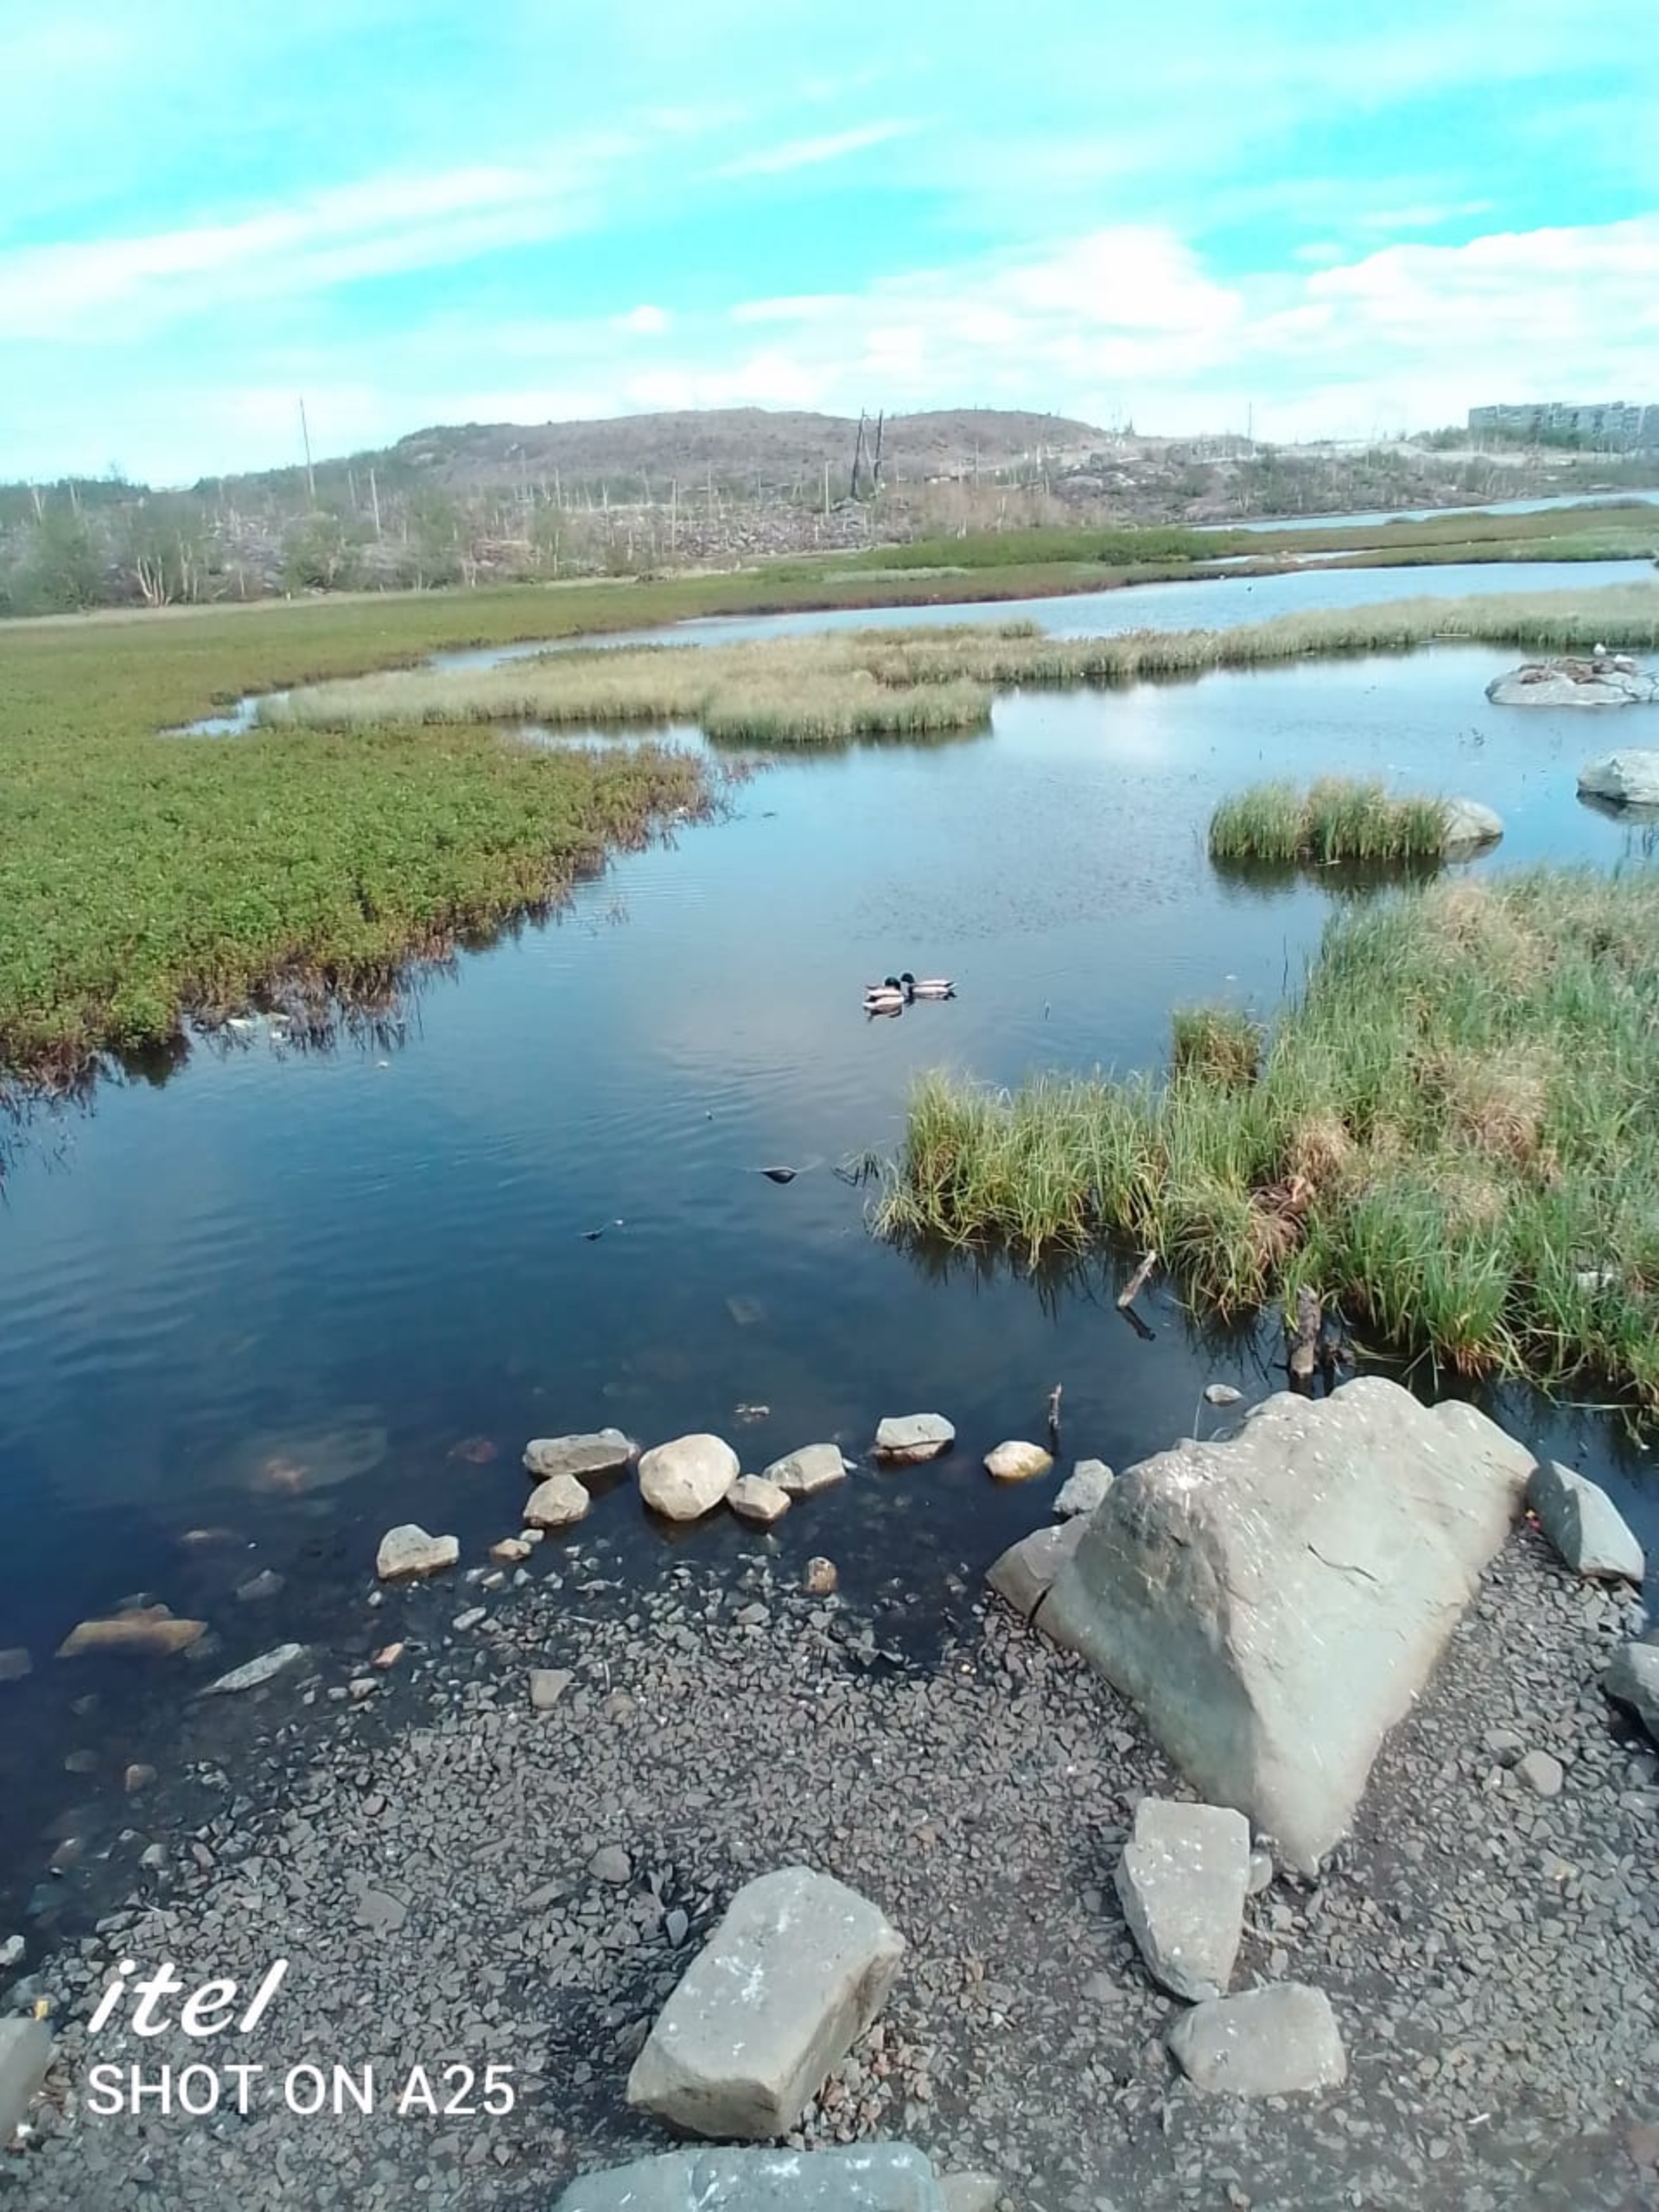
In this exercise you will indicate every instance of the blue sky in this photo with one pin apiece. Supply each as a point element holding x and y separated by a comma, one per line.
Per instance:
<point>1331,222</point>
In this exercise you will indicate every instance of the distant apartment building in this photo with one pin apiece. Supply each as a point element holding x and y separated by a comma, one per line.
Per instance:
<point>1608,423</point>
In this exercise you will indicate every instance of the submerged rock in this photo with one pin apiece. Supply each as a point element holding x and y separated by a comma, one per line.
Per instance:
<point>1264,2043</point>
<point>793,1976</point>
<point>865,2177</point>
<point>1018,1463</point>
<point>688,1477</point>
<point>908,1437</point>
<point>1584,1524</point>
<point>602,1452</point>
<point>1083,1489</point>
<point>1182,1881</point>
<point>262,1669</point>
<point>1630,778</point>
<point>146,1627</point>
<point>407,1552</point>
<point>814,1467</point>
<point>14,1664</point>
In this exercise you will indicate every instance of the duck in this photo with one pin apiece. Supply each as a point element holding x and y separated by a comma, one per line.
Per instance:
<point>931,987</point>
<point>884,998</point>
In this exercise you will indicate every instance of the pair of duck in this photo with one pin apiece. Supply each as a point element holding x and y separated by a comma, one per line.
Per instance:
<point>898,991</point>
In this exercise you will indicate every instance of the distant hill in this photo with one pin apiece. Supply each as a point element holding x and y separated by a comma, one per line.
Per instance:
<point>734,445</point>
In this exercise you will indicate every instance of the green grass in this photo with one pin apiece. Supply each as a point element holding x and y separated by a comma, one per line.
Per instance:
<point>1336,819</point>
<point>1454,1129</point>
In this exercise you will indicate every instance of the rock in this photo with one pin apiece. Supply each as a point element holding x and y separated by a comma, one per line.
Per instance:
<point>14,1664</point>
<point>1265,2042</point>
<point>1018,1463</point>
<point>263,1585</point>
<point>408,1551</point>
<point>606,1451</point>
<point>146,1627</point>
<point>1502,1745</point>
<point>1468,824</point>
<point>470,1618</point>
<point>11,1952</point>
<point>675,1926</point>
<point>1083,1489</point>
<point>558,1502</point>
<point>137,1778</point>
<point>1571,682</point>
<point>1584,1524</point>
<point>1630,778</point>
<point>905,1438</point>
<point>1541,1773</point>
<point>1261,1875</point>
<point>388,1656</point>
<point>796,1972</point>
<point>1222,1393</point>
<point>1182,1881</point>
<point>380,1913</point>
<point>262,1669</point>
<point>612,1864</point>
<point>25,2054</point>
<point>815,1466</point>
<point>1025,1574</point>
<point>688,1477</point>
<point>547,1686</point>
<point>821,1578</point>
<point>1633,1679</point>
<point>864,2177</point>
<point>754,1497</point>
<point>970,2192</point>
<point>511,1550</point>
<point>1274,1602</point>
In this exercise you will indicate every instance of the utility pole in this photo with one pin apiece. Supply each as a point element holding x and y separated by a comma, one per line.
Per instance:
<point>310,479</point>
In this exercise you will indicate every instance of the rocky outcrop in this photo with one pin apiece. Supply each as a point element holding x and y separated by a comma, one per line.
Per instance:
<point>814,1467</point>
<point>867,2178</point>
<point>1266,2043</point>
<point>1024,1574</point>
<point>1273,1602</point>
<point>906,1438</point>
<point>408,1552</point>
<point>1599,681</point>
<point>1627,779</point>
<point>601,1452</point>
<point>793,1976</point>
<point>688,1477</point>
<point>1470,824</point>
<point>1182,1881</point>
<point>1584,1524</point>
<point>1083,1489</point>
<point>1018,1463</point>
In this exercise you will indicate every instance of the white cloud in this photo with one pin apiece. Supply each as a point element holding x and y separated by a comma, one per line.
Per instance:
<point>645,322</point>
<point>811,153</point>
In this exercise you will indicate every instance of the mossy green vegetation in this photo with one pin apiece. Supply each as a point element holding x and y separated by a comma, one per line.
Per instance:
<point>1336,818</point>
<point>1455,1130</point>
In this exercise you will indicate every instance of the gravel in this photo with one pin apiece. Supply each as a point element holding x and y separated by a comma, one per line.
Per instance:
<point>439,1867</point>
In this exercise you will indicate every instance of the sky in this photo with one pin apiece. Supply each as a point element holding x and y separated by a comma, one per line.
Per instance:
<point>1294,217</point>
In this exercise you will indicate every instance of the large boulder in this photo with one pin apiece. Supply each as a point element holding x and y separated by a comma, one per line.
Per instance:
<point>687,1479</point>
<point>1571,683</point>
<point>1182,1881</point>
<point>1273,1601</point>
<point>792,1976</point>
<point>1584,1524</point>
<point>1629,778</point>
<point>602,1452</point>
<point>1266,2043</point>
<point>867,2178</point>
<point>1469,824</point>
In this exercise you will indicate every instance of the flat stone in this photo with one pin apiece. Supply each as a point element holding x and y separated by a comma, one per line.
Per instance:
<point>795,1972</point>
<point>1025,1574</point>
<point>1018,1463</point>
<point>380,1913</point>
<point>264,1668</point>
<point>266,1584</point>
<point>1633,1679</point>
<point>1541,1773</point>
<point>602,1452</point>
<point>908,1437</point>
<point>754,1498</point>
<point>146,1627</point>
<point>408,1552</point>
<point>1222,1393</point>
<point>558,1502</point>
<point>688,1477</point>
<point>815,1466</point>
<point>1584,1524</point>
<point>970,2192</point>
<point>864,2177</point>
<point>470,1618</point>
<point>1182,1881</point>
<point>547,1686</point>
<point>25,2054</point>
<point>611,1864</point>
<point>1264,2043</point>
<point>509,1550</point>
<point>1273,1602</point>
<point>1083,1489</point>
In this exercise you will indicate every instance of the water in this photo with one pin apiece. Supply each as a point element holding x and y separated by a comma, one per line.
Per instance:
<point>1434,514</point>
<point>254,1313</point>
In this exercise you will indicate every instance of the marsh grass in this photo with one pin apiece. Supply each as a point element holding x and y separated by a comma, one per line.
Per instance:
<point>1455,1130</point>
<point>1336,819</point>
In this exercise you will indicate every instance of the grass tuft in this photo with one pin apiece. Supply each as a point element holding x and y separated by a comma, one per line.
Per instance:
<point>1338,819</point>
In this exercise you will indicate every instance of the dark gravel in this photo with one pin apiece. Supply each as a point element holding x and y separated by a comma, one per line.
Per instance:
<point>455,1878</point>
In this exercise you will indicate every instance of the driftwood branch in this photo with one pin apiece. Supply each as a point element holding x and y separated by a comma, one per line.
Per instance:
<point>1136,1283</point>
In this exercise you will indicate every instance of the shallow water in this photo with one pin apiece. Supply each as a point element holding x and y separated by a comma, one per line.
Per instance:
<point>1434,514</point>
<point>253,1315</point>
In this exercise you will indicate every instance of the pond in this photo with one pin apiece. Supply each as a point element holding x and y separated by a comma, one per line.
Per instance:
<point>254,1313</point>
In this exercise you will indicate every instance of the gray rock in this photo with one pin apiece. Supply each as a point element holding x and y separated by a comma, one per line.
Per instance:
<point>906,1438</point>
<point>25,2054</point>
<point>380,1913</point>
<point>408,1551</point>
<point>688,1477</point>
<point>793,1976</point>
<point>1541,1773</point>
<point>1261,1873</point>
<point>1571,683</point>
<point>470,1618</point>
<point>675,1926</point>
<point>754,1497</point>
<point>1469,824</point>
<point>262,1669</point>
<point>1018,1463</point>
<point>1633,1679</point>
<point>865,2177</point>
<point>547,1686</point>
<point>1265,2042</point>
<point>603,1451</point>
<point>1630,778</point>
<point>1222,1393</point>
<point>11,1951</point>
<point>1083,1489</point>
<point>1181,1882</point>
<point>263,1585</point>
<point>1274,1602</point>
<point>612,1864</point>
<point>970,2192</point>
<point>815,1466</point>
<point>1584,1524</point>
<point>558,1502</point>
<point>14,1664</point>
<point>1025,1574</point>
